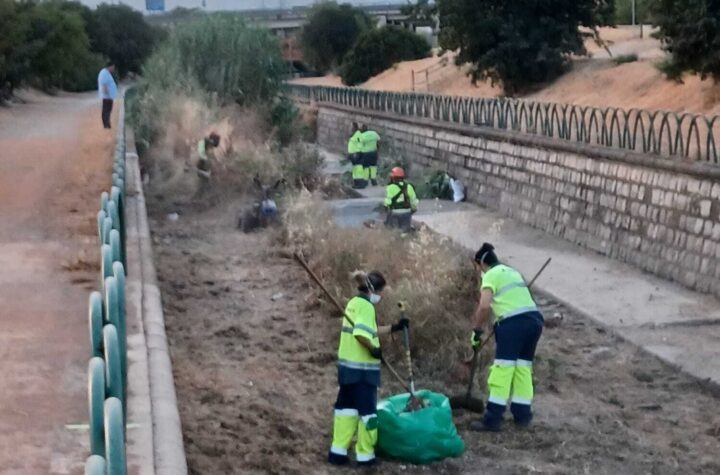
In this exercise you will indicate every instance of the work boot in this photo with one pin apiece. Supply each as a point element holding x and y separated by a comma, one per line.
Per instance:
<point>374,182</point>
<point>481,426</point>
<point>524,422</point>
<point>370,463</point>
<point>335,459</point>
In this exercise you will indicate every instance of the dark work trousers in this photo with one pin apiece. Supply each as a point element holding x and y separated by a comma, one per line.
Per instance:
<point>511,375</point>
<point>107,106</point>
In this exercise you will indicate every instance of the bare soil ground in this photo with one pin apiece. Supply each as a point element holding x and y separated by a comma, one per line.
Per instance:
<point>55,160</point>
<point>254,364</point>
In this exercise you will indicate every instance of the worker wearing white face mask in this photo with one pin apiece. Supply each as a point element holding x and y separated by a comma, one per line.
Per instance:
<point>359,359</point>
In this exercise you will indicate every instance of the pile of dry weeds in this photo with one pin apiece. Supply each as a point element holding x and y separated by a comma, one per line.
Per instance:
<point>428,272</point>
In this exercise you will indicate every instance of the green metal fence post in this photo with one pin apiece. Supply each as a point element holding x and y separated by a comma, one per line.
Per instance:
<point>100,220</point>
<point>95,465</point>
<point>115,437</point>
<point>115,246</point>
<point>96,401</point>
<point>106,228</point>
<point>113,373</point>
<point>113,308</point>
<point>95,323</point>
<point>104,197</point>
<point>106,262</point>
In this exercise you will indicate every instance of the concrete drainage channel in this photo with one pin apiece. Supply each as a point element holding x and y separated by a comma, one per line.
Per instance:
<point>134,421</point>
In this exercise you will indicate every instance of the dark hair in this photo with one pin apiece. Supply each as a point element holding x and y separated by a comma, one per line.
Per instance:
<point>370,282</point>
<point>486,255</point>
<point>214,139</point>
<point>109,63</point>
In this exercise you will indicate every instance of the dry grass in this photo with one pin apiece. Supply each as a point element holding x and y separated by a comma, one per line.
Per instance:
<point>426,271</point>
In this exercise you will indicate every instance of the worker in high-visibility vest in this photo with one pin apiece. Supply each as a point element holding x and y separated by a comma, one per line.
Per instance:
<point>370,141</point>
<point>401,201</point>
<point>204,145</point>
<point>518,326</point>
<point>354,151</point>
<point>359,358</point>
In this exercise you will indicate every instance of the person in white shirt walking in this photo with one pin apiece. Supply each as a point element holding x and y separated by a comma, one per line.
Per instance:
<point>107,90</point>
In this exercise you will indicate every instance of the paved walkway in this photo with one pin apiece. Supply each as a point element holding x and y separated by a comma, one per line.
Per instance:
<point>54,160</point>
<point>680,326</point>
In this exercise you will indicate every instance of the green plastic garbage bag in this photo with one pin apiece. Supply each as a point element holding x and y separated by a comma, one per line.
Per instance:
<point>419,437</point>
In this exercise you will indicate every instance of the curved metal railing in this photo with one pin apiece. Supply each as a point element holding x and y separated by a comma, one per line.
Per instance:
<point>671,134</point>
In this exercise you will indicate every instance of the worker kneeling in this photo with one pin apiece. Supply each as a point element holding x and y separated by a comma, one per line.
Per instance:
<point>400,201</point>
<point>518,325</point>
<point>359,358</point>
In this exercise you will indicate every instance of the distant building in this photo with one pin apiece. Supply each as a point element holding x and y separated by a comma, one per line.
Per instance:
<point>151,6</point>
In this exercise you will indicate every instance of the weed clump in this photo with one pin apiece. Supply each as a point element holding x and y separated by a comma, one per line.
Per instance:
<point>428,272</point>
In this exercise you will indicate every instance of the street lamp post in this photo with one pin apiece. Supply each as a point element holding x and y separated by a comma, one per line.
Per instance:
<point>633,12</point>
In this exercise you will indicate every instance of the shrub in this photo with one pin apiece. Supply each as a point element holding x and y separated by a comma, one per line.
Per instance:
<point>427,271</point>
<point>285,118</point>
<point>690,33</point>
<point>518,44</point>
<point>625,58</point>
<point>215,60</point>
<point>58,45</point>
<point>14,51</point>
<point>121,34</point>
<point>329,33</point>
<point>378,50</point>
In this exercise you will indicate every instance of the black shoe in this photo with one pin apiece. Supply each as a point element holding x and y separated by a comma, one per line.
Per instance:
<point>524,423</point>
<point>335,459</point>
<point>374,182</point>
<point>369,463</point>
<point>480,426</point>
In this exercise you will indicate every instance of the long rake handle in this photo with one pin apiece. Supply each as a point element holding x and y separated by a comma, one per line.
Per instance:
<point>320,284</point>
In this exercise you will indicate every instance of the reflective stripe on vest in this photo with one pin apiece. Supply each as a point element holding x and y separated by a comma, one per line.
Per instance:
<point>351,353</point>
<point>511,295</point>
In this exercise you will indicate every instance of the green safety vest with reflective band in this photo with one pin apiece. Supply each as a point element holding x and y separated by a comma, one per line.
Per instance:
<point>511,295</point>
<point>354,144</point>
<point>400,196</point>
<point>369,141</point>
<point>354,360</point>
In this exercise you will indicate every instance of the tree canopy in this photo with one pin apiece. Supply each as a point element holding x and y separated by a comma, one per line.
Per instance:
<point>690,33</point>
<point>379,49</point>
<point>519,43</point>
<point>329,33</point>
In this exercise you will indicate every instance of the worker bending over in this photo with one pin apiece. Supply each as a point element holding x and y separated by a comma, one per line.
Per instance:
<point>204,145</point>
<point>518,325</point>
<point>400,201</point>
<point>359,358</point>
<point>370,144</point>
<point>354,150</point>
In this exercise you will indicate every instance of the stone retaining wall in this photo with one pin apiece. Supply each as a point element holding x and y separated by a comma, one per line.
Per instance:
<point>659,214</point>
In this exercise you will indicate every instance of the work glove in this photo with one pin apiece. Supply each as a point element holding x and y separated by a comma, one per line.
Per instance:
<point>475,338</point>
<point>376,352</point>
<point>400,325</point>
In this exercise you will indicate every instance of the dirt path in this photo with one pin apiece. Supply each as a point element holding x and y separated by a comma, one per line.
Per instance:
<point>54,162</point>
<point>256,376</point>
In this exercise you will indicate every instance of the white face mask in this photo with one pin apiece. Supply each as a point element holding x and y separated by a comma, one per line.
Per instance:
<point>375,299</point>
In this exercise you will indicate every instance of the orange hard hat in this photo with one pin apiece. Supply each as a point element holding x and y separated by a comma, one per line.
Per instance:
<point>397,172</point>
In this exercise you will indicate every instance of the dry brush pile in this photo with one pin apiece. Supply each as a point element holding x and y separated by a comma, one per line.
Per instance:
<point>431,274</point>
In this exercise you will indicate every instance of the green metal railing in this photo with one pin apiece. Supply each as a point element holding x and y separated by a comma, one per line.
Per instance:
<point>108,366</point>
<point>663,133</point>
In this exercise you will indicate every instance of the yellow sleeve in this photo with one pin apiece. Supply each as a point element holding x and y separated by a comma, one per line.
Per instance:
<point>365,325</point>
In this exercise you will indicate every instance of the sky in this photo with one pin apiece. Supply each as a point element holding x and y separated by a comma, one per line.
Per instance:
<point>211,5</point>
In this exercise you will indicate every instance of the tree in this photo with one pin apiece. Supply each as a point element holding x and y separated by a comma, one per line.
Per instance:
<point>59,48</point>
<point>377,50</point>
<point>14,54</point>
<point>690,33</point>
<point>329,33</point>
<point>518,43</point>
<point>121,34</point>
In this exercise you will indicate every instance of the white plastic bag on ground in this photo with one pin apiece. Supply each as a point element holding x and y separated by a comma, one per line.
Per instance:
<point>458,190</point>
